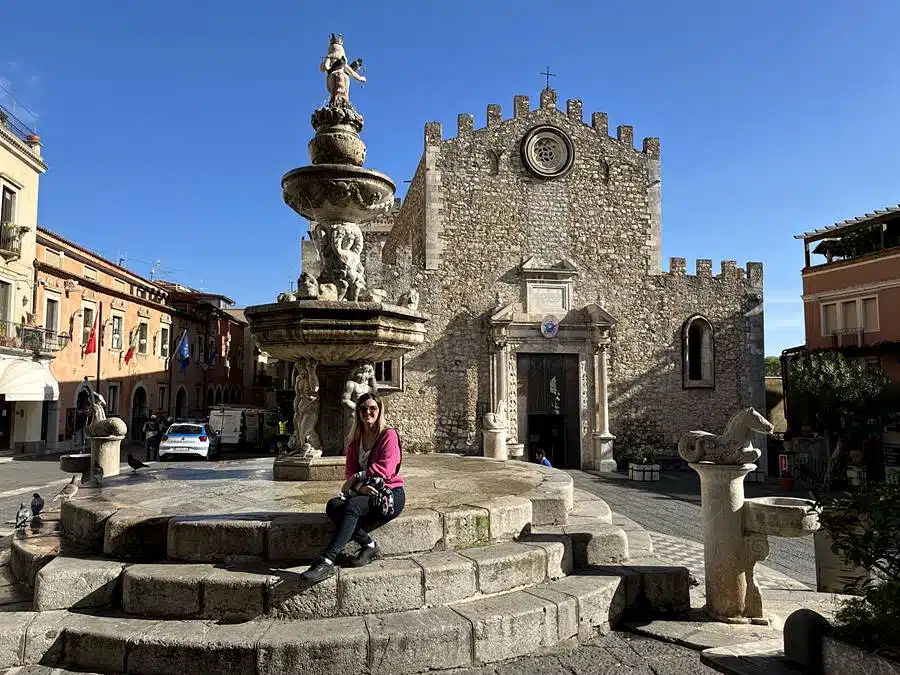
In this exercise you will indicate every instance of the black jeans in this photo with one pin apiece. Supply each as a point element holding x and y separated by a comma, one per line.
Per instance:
<point>351,515</point>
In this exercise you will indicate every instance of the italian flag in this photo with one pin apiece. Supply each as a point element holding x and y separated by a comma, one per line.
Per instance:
<point>132,345</point>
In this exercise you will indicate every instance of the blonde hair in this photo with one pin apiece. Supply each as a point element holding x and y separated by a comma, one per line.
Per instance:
<point>356,429</point>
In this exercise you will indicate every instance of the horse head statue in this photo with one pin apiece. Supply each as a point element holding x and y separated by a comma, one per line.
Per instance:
<point>733,446</point>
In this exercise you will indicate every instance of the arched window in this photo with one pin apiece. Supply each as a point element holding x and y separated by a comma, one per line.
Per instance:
<point>698,354</point>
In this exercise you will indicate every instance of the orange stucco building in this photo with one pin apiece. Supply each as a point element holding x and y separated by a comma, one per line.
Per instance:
<point>851,289</point>
<point>79,292</point>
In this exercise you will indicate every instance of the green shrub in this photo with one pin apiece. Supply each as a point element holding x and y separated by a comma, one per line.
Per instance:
<point>865,528</point>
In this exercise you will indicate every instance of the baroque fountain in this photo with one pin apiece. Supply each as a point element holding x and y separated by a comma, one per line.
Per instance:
<point>335,326</point>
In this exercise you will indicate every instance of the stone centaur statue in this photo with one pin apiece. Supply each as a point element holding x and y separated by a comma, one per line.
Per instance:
<point>733,446</point>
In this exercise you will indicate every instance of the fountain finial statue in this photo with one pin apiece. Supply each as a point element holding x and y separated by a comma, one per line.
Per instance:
<point>338,72</point>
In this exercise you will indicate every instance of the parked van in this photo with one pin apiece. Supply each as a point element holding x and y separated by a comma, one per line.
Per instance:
<point>239,425</point>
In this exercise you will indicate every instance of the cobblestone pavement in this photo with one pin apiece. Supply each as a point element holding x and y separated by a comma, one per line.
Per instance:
<point>608,655</point>
<point>672,507</point>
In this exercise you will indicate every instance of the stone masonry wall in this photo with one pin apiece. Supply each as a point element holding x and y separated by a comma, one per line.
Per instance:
<point>602,216</point>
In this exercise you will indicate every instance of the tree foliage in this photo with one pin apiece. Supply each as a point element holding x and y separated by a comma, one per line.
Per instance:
<point>773,366</point>
<point>841,397</point>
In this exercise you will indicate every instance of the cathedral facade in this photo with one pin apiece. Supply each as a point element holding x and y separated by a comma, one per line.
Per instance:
<point>535,246</point>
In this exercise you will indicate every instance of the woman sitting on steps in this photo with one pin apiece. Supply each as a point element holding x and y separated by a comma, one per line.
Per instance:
<point>373,492</point>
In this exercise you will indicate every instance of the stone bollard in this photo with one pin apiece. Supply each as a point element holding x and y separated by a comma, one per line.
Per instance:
<point>724,545</point>
<point>105,451</point>
<point>495,443</point>
<point>106,436</point>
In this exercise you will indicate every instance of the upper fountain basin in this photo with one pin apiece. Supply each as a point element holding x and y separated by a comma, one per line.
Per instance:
<point>780,516</point>
<point>336,332</point>
<point>338,193</point>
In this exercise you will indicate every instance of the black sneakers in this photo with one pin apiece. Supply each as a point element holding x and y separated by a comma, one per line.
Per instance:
<point>366,555</point>
<point>320,571</point>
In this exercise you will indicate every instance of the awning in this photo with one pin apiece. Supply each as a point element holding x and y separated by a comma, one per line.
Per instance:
<point>22,380</point>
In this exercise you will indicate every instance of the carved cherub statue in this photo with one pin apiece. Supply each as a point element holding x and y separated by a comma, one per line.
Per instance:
<point>338,72</point>
<point>362,381</point>
<point>307,286</point>
<point>409,299</point>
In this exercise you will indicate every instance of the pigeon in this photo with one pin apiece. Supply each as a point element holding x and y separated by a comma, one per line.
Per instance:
<point>37,504</point>
<point>135,463</point>
<point>70,490</point>
<point>22,516</point>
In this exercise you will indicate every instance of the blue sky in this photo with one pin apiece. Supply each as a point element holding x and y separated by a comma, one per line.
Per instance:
<point>167,125</point>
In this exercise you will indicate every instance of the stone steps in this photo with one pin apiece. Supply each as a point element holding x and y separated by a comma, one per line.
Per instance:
<point>459,635</point>
<point>200,590</point>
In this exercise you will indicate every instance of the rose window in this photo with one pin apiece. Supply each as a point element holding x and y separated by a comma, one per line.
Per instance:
<point>547,152</point>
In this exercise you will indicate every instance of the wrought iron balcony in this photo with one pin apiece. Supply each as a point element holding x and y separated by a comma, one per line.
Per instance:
<point>31,338</point>
<point>11,236</point>
<point>19,129</point>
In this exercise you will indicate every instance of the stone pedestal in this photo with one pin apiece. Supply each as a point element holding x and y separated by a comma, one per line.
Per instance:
<point>495,443</point>
<point>724,545</point>
<point>304,469</point>
<point>515,450</point>
<point>105,452</point>
<point>603,452</point>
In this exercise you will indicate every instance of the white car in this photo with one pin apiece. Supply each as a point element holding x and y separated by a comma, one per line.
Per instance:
<point>189,438</point>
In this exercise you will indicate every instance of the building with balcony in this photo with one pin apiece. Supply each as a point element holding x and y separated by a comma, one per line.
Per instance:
<point>28,390</point>
<point>219,344</point>
<point>851,288</point>
<point>133,362</point>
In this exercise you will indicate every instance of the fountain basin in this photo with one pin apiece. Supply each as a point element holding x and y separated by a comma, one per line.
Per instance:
<point>338,193</point>
<point>334,332</point>
<point>780,516</point>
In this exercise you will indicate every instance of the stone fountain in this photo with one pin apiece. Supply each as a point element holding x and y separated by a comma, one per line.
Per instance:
<point>736,529</point>
<point>334,328</point>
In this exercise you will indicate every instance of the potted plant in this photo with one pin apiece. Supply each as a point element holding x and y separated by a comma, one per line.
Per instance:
<point>646,468</point>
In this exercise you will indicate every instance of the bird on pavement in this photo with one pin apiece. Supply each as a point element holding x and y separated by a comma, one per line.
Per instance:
<point>70,490</point>
<point>37,504</point>
<point>135,463</point>
<point>22,515</point>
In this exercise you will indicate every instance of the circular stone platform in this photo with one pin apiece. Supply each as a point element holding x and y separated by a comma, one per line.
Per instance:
<point>246,486</point>
<point>234,511</point>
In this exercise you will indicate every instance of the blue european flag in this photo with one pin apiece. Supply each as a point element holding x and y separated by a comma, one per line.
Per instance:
<point>184,351</point>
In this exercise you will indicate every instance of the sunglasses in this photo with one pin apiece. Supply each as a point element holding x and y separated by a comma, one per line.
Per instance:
<point>368,409</point>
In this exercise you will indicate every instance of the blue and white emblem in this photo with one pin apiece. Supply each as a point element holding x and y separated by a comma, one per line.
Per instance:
<point>549,326</point>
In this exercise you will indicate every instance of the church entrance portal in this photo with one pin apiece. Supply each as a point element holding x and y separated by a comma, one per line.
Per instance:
<point>552,409</point>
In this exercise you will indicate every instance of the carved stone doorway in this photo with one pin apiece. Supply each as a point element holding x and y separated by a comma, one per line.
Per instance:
<point>551,383</point>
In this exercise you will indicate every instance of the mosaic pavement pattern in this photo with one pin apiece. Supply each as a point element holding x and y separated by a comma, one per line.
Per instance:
<point>677,551</point>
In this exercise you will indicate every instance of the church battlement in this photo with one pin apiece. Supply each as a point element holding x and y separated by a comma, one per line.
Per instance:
<point>728,269</point>
<point>465,122</point>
